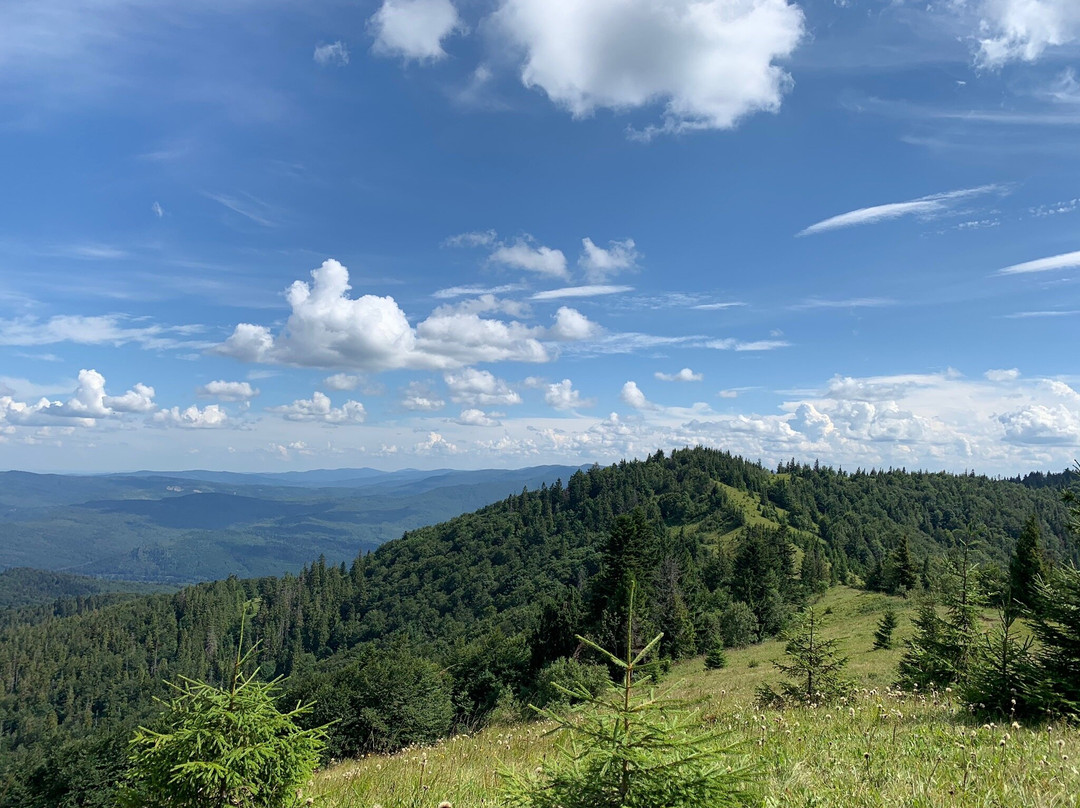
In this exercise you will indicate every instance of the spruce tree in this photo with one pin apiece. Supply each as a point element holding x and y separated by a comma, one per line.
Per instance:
<point>222,747</point>
<point>1026,565</point>
<point>883,634</point>
<point>1056,625</point>
<point>903,577</point>
<point>814,667</point>
<point>924,663</point>
<point>630,748</point>
<point>997,678</point>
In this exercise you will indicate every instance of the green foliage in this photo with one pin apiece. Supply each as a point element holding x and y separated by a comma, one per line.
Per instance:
<point>222,747</point>
<point>941,651</point>
<point>814,666</point>
<point>997,681</point>
<point>1026,565</point>
<point>883,636</point>
<point>1056,626</point>
<point>560,680</point>
<point>715,659</point>
<point>489,597</point>
<point>633,749</point>
<point>378,702</point>
<point>738,625</point>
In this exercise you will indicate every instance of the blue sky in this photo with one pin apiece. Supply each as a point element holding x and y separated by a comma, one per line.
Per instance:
<point>473,233</point>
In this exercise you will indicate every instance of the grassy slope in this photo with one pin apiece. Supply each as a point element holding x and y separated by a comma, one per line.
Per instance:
<point>881,749</point>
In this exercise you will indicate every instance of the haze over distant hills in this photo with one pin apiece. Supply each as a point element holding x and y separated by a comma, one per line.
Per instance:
<point>188,526</point>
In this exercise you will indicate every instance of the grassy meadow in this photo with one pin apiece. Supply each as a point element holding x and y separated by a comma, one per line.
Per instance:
<point>880,748</point>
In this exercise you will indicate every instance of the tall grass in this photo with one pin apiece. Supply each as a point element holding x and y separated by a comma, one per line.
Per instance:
<point>881,747</point>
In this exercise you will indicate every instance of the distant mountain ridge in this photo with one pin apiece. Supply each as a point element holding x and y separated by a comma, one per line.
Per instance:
<point>181,527</point>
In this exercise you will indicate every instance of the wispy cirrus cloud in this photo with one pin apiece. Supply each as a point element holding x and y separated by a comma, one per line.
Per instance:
<point>1068,260</point>
<point>249,207</point>
<point>729,344</point>
<point>104,329</point>
<point>926,207</point>
<point>849,303</point>
<point>731,304</point>
<point>593,290</point>
<point>1023,315</point>
<point>476,291</point>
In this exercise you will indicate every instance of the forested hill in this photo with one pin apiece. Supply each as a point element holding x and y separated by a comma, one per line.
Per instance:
<point>472,608</point>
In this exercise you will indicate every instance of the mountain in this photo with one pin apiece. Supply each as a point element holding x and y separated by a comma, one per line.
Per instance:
<point>184,527</point>
<point>475,606</point>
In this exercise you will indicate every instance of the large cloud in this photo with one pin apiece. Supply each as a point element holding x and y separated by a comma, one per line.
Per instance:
<point>88,403</point>
<point>1024,29</point>
<point>329,329</point>
<point>709,61</point>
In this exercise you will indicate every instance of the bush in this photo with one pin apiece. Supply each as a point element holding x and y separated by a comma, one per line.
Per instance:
<point>380,701</point>
<point>738,625</point>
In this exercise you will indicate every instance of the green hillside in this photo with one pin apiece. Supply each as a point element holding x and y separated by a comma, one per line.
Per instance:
<point>882,749</point>
<point>724,552</point>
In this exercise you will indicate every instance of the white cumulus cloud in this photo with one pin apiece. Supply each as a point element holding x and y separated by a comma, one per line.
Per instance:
<point>329,329</point>
<point>709,62</point>
<point>524,255</point>
<point>414,29</point>
<point>319,409</point>
<point>228,391</point>
<point>475,417</point>
<point>684,375</point>
<point>1021,30</point>
<point>563,396</point>
<point>211,416</point>
<point>480,388</point>
<point>632,395</point>
<point>600,264</point>
<point>88,403</point>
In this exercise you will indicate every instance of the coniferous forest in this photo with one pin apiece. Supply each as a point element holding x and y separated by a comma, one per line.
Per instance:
<point>456,625</point>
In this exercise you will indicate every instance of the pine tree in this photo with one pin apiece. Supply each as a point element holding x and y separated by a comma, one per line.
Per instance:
<point>1026,565</point>
<point>815,666</point>
<point>883,634</point>
<point>633,749</point>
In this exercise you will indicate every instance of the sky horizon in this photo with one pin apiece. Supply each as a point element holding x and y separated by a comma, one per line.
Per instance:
<point>506,233</point>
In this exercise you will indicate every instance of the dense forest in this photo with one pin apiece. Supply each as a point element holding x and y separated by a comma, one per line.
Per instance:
<point>452,623</point>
